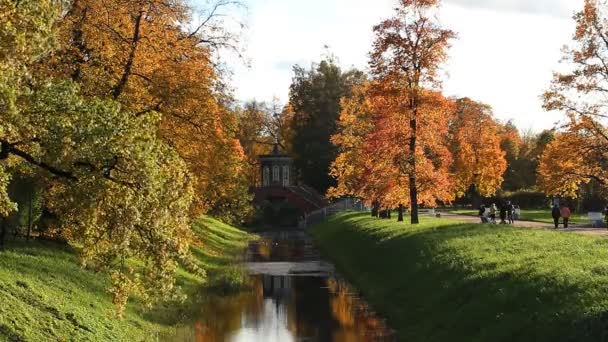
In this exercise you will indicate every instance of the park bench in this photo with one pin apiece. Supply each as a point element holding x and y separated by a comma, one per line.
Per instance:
<point>596,219</point>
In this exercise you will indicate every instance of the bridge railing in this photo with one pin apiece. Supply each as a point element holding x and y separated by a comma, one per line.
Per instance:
<point>345,204</point>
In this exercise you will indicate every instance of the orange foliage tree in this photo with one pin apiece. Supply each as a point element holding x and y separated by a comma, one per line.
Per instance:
<point>407,53</point>
<point>370,165</point>
<point>144,54</point>
<point>579,153</point>
<point>576,156</point>
<point>479,160</point>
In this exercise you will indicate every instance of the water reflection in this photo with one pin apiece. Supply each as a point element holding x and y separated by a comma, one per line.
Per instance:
<point>283,308</point>
<point>282,246</point>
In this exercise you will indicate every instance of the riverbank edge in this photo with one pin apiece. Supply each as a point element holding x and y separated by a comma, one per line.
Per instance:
<point>469,320</point>
<point>46,295</point>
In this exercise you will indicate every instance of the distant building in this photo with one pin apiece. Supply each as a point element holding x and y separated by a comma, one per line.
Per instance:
<point>280,188</point>
<point>277,169</point>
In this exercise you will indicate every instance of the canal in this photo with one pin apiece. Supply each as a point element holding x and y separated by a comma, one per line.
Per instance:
<point>293,295</point>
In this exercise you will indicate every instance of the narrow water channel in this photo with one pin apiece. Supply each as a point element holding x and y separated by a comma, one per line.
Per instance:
<point>293,296</point>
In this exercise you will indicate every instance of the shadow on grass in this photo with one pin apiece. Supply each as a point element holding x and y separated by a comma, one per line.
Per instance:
<point>446,281</point>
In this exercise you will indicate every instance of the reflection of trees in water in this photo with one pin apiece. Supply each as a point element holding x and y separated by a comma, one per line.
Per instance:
<point>315,308</point>
<point>356,321</point>
<point>223,315</point>
<point>279,247</point>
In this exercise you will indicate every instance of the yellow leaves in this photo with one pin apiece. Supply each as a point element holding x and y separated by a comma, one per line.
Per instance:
<point>153,65</point>
<point>6,204</point>
<point>373,141</point>
<point>575,156</point>
<point>479,159</point>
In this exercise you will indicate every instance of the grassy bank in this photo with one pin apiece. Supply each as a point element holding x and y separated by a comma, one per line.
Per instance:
<point>45,295</point>
<point>447,281</point>
<point>534,215</point>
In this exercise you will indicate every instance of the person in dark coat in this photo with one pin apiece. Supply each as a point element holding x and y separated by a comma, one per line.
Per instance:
<point>510,210</point>
<point>556,214</point>
<point>482,213</point>
<point>503,213</point>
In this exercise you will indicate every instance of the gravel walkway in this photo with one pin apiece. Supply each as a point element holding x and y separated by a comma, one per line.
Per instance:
<point>535,225</point>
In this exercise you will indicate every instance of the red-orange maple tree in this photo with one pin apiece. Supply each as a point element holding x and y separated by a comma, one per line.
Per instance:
<point>407,53</point>
<point>372,166</point>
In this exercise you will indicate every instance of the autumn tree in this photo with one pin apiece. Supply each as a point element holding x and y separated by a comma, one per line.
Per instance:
<point>371,166</point>
<point>314,99</point>
<point>579,152</point>
<point>479,160</point>
<point>576,156</point>
<point>407,53</point>
<point>512,144</point>
<point>147,55</point>
<point>120,191</point>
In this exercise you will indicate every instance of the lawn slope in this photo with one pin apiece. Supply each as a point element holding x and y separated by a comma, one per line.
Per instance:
<point>46,296</point>
<point>447,281</point>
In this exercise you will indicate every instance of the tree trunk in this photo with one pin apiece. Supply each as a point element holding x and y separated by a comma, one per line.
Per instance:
<point>375,209</point>
<point>388,213</point>
<point>129,64</point>
<point>400,216</point>
<point>412,171</point>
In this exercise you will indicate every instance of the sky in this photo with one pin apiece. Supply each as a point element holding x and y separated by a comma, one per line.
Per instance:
<point>504,56</point>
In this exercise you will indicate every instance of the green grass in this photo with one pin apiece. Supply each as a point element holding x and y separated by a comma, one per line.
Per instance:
<point>46,296</point>
<point>535,215</point>
<point>448,281</point>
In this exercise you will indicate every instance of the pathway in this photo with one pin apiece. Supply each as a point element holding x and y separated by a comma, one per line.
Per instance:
<point>535,225</point>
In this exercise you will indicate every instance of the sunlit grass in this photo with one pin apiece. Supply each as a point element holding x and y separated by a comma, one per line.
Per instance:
<point>46,296</point>
<point>448,281</point>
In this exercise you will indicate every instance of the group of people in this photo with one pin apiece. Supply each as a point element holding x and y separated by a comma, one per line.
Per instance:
<point>507,211</point>
<point>562,212</point>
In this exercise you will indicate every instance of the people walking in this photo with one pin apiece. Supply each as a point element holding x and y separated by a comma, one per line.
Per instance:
<point>565,214</point>
<point>556,214</point>
<point>503,213</point>
<point>493,213</point>
<point>510,210</point>
<point>516,212</point>
<point>482,213</point>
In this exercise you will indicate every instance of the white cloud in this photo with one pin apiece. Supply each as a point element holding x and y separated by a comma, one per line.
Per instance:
<point>561,8</point>
<point>505,54</point>
<point>506,59</point>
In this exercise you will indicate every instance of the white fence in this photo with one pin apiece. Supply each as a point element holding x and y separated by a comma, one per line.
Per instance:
<point>318,216</point>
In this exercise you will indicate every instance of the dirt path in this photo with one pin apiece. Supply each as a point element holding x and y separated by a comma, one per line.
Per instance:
<point>535,225</point>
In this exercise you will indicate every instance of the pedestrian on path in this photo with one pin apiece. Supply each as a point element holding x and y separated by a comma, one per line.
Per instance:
<point>556,214</point>
<point>510,210</point>
<point>565,214</point>
<point>493,213</point>
<point>482,213</point>
<point>503,214</point>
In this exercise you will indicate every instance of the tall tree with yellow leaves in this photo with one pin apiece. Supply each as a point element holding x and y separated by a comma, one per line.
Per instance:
<point>579,153</point>
<point>479,161</point>
<point>371,166</point>
<point>145,55</point>
<point>408,51</point>
<point>119,191</point>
